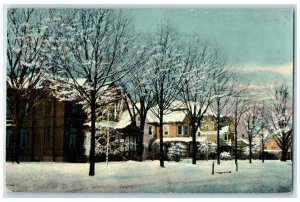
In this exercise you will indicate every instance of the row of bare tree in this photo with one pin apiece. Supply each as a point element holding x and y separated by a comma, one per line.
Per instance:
<point>50,49</point>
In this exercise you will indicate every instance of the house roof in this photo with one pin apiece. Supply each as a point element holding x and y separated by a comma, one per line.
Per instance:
<point>103,124</point>
<point>182,139</point>
<point>223,130</point>
<point>174,117</point>
<point>125,120</point>
<point>242,140</point>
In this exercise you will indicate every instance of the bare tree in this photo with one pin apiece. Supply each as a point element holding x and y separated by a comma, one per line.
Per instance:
<point>222,90</point>
<point>139,98</point>
<point>280,120</point>
<point>94,45</point>
<point>264,127</point>
<point>164,73</point>
<point>239,104</point>
<point>253,125</point>
<point>26,72</point>
<point>196,85</point>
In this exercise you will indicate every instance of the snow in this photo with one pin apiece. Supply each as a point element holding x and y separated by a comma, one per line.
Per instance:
<point>148,177</point>
<point>125,120</point>
<point>182,139</point>
<point>223,130</point>
<point>103,124</point>
<point>243,140</point>
<point>81,81</point>
<point>174,117</point>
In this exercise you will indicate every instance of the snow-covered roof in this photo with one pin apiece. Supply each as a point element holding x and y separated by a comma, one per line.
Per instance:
<point>108,124</point>
<point>243,140</point>
<point>103,124</point>
<point>151,118</point>
<point>182,139</point>
<point>223,130</point>
<point>174,117</point>
<point>125,120</point>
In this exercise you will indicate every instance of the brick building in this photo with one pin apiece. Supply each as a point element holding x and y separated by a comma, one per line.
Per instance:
<point>53,131</point>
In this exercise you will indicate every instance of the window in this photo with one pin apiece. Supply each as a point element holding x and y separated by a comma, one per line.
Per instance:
<point>186,130</point>
<point>179,130</point>
<point>225,136</point>
<point>24,138</point>
<point>150,130</point>
<point>166,130</point>
<point>73,108</point>
<point>9,137</point>
<point>72,137</point>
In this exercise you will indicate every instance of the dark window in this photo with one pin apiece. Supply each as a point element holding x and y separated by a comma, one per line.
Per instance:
<point>72,137</point>
<point>179,128</point>
<point>150,130</point>
<point>186,130</point>
<point>24,138</point>
<point>9,138</point>
<point>73,108</point>
<point>225,136</point>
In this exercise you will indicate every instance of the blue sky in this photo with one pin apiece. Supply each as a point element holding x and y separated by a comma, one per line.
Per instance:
<point>258,42</point>
<point>250,36</point>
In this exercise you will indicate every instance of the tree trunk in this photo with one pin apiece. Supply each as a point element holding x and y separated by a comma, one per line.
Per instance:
<point>161,142</point>
<point>161,113</point>
<point>129,146</point>
<point>284,152</point>
<point>141,137</point>
<point>93,134</point>
<point>53,131</point>
<point>235,132</point>
<point>218,130</point>
<point>18,128</point>
<point>33,134</point>
<point>235,143</point>
<point>194,144</point>
<point>250,151</point>
<point>17,144</point>
<point>263,149</point>
<point>284,155</point>
<point>284,146</point>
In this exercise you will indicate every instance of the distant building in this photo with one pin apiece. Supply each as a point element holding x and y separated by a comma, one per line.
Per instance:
<point>271,146</point>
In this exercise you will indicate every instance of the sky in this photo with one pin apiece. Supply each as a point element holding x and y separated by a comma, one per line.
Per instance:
<point>258,42</point>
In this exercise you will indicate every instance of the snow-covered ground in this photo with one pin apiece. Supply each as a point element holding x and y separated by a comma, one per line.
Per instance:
<point>148,177</point>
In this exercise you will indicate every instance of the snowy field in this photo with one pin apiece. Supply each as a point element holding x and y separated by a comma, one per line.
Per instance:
<point>148,177</point>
